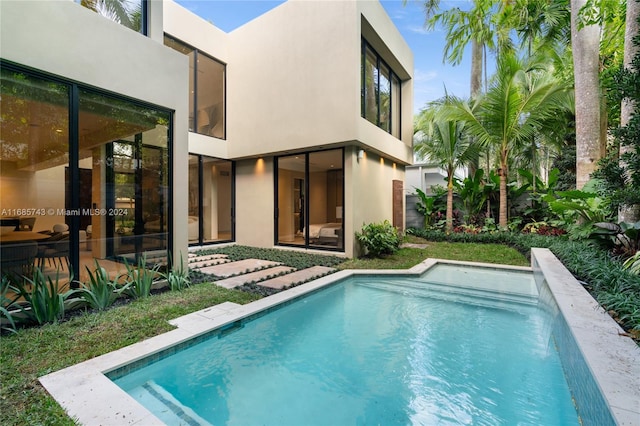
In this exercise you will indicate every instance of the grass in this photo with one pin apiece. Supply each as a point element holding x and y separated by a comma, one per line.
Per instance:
<point>405,258</point>
<point>37,351</point>
<point>34,352</point>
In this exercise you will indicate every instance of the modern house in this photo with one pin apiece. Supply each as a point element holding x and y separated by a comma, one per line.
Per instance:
<point>157,131</point>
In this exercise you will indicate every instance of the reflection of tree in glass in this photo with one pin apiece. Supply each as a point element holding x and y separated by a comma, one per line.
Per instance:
<point>125,12</point>
<point>33,119</point>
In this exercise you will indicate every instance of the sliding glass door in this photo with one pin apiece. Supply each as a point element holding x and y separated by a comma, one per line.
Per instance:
<point>211,200</point>
<point>310,195</point>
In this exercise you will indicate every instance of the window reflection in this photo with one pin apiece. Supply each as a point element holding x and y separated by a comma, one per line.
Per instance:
<point>211,189</point>
<point>206,90</point>
<point>110,203</point>
<point>380,92</point>
<point>128,13</point>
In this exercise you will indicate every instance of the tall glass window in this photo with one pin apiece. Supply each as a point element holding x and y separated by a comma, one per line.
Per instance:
<point>96,190</point>
<point>380,92</point>
<point>206,90</point>
<point>129,13</point>
<point>211,200</point>
<point>310,190</point>
<point>34,173</point>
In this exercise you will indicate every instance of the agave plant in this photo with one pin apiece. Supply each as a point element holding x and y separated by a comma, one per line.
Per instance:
<point>44,298</point>
<point>7,305</point>
<point>101,291</point>
<point>140,278</point>
<point>177,277</point>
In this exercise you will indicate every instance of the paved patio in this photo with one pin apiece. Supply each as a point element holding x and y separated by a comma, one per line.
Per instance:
<point>264,273</point>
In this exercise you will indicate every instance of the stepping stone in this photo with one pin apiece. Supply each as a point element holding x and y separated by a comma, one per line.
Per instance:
<point>279,283</point>
<point>236,268</point>
<point>414,245</point>
<point>208,262</point>
<point>239,280</point>
<point>207,257</point>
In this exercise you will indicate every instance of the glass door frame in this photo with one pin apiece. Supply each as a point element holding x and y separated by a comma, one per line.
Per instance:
<point>306,207</point>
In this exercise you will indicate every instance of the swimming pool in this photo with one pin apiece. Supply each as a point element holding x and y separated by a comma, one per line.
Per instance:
<point>600,364</point>
<point>373,350</point>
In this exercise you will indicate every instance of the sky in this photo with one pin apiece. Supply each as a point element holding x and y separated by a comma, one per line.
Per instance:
<point>430,75</point>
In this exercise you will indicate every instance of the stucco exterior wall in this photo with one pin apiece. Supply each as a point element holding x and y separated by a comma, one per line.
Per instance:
<point>369,191</point>
<point>255,202</point>
<point>293,79</point>
<point>70,41</point>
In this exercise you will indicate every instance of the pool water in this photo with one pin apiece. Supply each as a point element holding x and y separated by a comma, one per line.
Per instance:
<point>374,350</point>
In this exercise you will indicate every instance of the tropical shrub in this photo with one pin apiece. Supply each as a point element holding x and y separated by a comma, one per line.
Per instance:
<point>632,264</point>
<point>578,211</point>
<point>429,206</point>
<point>622,238</point>
<point>474,193</point>
<point>379,238</point>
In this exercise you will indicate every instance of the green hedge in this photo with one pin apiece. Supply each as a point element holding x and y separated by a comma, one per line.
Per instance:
<point>615,288</point>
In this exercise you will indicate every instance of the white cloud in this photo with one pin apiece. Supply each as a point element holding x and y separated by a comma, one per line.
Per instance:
<point>422,76</point>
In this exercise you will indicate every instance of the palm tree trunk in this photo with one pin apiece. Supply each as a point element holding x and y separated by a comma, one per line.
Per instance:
<point>503,218</point>
<point>476,88</point>
<point>586,51</point>
<point>449,217</point>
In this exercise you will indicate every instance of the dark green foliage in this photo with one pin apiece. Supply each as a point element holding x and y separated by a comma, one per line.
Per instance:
<point>621,238</point>
<point>620,174</point>
<point>429,206</point>
<point>613,286</point>
<point>379,238</point>
<point>474,193</point>
<point>566,162</point>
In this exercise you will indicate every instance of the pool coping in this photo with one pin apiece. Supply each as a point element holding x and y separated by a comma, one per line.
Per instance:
<point>89,397</point>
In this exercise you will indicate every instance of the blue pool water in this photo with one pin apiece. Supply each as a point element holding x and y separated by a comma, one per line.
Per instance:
<point>374,350</point>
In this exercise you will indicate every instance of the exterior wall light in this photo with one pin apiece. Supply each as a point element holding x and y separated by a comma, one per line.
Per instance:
<point>360,154</point>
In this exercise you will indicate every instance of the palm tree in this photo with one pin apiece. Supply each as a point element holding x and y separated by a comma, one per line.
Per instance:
<point>480,27</point>
<point>443,141</point>
<point>585,43</point>
<point>518,103</point>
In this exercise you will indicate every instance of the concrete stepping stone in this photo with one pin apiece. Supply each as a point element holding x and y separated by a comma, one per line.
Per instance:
<point>209,262</point>
<point>260,275</point>
<point>199,258</point>
<point>279,283</point>
<point>239,267</point>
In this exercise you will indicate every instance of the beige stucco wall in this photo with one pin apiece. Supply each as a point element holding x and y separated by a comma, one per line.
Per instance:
<point>70,41</point>
<point>368,191</point>
<point>293,84</point>
<point>294,80</point>
<point>255,202</point>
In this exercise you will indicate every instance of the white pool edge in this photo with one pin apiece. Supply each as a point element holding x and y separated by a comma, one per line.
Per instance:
<point>91,398</point>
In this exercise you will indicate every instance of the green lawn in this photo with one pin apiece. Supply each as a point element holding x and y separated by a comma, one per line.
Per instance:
<point>34,352</point>
<point>408,257</point>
